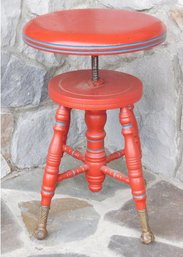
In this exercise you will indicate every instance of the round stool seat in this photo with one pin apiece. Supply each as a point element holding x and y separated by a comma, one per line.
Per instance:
<point>75,90</point>
<point>94,32</point>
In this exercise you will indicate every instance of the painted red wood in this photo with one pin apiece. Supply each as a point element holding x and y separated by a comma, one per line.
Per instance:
<point>115,174</point>
<point>71,173</point>
<point>114,156</point>
<point>133,159</point>
<point>73,152</point>
<point>94,32</point>
<point>95,156</point>
<point>135,128</point>
<point>74,89</point>
<point>55,153</point>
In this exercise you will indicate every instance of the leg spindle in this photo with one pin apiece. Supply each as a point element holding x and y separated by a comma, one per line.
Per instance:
<point>55,153</point>
<point>135,128</point>
<point>95,154</point>
<point>135,174</point>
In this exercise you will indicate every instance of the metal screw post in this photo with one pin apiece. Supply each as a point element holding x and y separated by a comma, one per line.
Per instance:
<point>95,71</point>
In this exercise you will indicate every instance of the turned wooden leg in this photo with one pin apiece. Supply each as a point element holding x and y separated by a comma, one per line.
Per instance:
<point>55,153</point>
<point>95,156</point>
<point>133,161</point>
<point>135,127</point>
<point>135,131</point>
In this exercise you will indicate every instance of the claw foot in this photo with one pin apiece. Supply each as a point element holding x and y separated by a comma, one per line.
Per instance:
<point>147,237</point>
<point>41,233</point>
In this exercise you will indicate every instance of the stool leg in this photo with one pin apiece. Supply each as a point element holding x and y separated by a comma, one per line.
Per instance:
<point>135,128</point>
<point>55,153</point>
<point>95,156</point>
<point>133,160</point>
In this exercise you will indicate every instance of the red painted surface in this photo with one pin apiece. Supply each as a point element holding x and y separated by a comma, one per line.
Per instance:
<point>94,32</point>
<point>71,173</point>
<point>135,128</point>
<point>74,89</point>
<point>133,158</point>
<point>114,156</point>
<point>115,174</point>
<point>95,156</point>
<point>55,153</point>
<point>73,152</point>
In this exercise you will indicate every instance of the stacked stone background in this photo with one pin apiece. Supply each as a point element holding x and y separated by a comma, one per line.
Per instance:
<point>28,115</point>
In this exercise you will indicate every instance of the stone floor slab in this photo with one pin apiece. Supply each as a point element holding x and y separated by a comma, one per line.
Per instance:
<point>5,168</point>
<point>69,220</point>
<point>132,247</point>
<point>75,187</point>
<point>165,203</point>
<point>10,231</point>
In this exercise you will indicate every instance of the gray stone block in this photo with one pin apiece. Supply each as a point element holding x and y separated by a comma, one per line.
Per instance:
<point>135,4</point>
<point>77,129</point>
<point>4,167</point>
<point>7,127</point>
<point>32,137</point>
<point>181,125</point>
<point>10,11</point>
<point>176,14</point>
<point>49,60</point>
<point>33,134</point>
<point>37,7</point>
<point>114,139</point>
<point>158,111</point>
<point>179,174</point>
<point>56,5</point>
<point>23,83</point>
<point>60,255</point>
<point>5,57</point>
<point>180,57</point>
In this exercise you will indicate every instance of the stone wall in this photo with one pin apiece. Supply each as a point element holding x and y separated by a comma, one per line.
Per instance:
<point>28,116</point>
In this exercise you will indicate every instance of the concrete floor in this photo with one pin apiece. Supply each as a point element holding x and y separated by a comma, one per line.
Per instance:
<point>86,224</point>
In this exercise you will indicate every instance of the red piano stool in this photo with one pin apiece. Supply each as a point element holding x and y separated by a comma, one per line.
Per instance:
<point>95,32</point>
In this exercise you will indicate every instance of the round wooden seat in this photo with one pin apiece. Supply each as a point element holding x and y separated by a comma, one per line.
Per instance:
<point>75,90</point>
<point>94,32</point>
